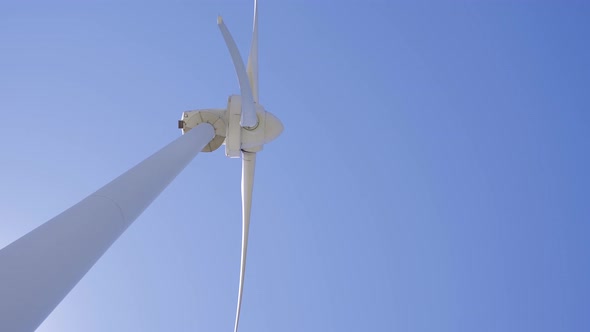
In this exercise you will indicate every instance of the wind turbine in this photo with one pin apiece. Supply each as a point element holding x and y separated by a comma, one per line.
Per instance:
<point>39,269</point>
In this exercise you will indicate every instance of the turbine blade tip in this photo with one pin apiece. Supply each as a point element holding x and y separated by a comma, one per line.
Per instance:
<point>219,19</point>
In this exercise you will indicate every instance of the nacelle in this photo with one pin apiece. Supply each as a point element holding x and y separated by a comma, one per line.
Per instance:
<point>228,130</point>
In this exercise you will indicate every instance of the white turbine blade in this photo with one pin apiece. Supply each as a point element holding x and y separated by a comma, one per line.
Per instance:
<point>252,68</point>
<point>248,164</point>
<point>38,270</point>
<point>248,118</point>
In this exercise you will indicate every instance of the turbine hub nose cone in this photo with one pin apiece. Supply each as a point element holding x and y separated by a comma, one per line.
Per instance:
<point>268,129</point>
<point>274,127</point>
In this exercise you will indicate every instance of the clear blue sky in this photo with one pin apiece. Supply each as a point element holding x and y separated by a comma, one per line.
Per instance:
<point>432,176</point>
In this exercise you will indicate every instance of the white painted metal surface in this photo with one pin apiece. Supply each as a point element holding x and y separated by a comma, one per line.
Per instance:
<point>252,68</point>
<point>246,139</point>
<point>235,138</point>
<point>212,116</point>
<point>249,128</point>
<point>233,141</point>
<point>249,119</point>
<point>39,269</point>
<point>268,129</point>
<point>248,166</point>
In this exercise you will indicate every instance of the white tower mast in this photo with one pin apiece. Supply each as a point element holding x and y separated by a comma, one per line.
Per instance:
<point>38,270</point>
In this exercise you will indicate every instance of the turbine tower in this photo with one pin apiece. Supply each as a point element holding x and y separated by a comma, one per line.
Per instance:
<point>39,269</point>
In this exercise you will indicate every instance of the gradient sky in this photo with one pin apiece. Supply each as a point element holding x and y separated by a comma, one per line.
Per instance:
<point>432,176</point>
